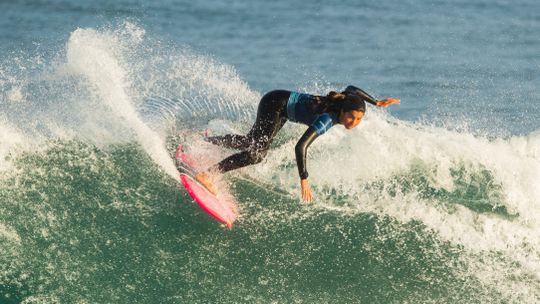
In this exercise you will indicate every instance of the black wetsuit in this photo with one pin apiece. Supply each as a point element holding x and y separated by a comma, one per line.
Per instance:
<point>275,108</point>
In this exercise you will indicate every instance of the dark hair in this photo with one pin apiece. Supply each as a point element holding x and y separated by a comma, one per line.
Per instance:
<point>344,101</point>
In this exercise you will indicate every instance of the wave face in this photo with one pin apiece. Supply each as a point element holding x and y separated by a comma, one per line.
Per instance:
<point>91,210</point>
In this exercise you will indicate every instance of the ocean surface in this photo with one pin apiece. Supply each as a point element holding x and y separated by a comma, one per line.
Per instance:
<point>436,200</point>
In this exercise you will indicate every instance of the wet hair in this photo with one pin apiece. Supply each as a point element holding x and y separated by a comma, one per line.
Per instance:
<point>353,103</point>
<point>344,101</point>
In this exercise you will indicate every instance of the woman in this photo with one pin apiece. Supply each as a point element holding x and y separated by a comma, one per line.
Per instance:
<point>320,113</point>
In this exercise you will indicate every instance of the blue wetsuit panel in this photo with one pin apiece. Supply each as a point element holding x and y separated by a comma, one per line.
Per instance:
<point>300,109</point>
<point>323,123</point>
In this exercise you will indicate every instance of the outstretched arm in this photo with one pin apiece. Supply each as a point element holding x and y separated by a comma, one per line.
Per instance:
<point>301,152</point>
<point>368,98</point>
<point>363,94</point>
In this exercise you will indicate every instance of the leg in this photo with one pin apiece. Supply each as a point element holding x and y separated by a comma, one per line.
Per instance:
<point>230,141</point>
<point>255,154</point>
<point>271,115</point>
<point>232,162</point>
<point>241,159</point>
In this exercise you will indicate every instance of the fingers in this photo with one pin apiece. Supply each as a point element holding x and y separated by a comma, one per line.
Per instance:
<point>394,101</point>
<point>307,196</point>
<point>306,191</point>
<point>388,101</point>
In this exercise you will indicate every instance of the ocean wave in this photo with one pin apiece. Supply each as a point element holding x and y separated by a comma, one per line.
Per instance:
<point>89,192</point>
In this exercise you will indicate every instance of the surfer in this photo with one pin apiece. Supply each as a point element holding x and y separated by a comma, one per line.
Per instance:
<point>320,113</point>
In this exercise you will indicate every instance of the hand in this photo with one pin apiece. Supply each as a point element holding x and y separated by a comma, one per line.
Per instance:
<point>306,191</point>
<point>388,101</point>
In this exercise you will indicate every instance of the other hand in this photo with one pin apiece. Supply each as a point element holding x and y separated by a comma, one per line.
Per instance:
<point>388,101</point>
<point>306,191</point>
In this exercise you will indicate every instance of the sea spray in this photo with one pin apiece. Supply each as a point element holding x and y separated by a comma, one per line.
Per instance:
<point>119,64</point>
<point>93,55</point>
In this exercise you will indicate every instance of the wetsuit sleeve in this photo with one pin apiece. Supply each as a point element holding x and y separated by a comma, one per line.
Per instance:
<point>365,96</point>
<point>323,123</point>
<point>301,150</point>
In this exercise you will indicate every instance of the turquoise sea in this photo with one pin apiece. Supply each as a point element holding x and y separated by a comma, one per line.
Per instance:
<point>436,200</point>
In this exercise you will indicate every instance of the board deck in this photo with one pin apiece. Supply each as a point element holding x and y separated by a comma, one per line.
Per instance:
<point>216,206</point>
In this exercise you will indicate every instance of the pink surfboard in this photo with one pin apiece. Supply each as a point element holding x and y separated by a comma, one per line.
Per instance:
<point>218,207</point>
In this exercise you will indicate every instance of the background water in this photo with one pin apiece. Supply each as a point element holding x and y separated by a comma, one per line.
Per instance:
<point>432,201</point>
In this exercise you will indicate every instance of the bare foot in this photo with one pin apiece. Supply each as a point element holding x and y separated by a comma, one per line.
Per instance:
<point>206,181</point>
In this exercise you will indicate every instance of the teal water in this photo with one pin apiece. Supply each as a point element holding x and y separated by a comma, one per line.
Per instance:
<point>434,201</point>
<point>122,233</point>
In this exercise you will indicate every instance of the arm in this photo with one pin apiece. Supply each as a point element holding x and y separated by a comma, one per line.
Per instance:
<point>368,98</point>
<point>301,151</point>
<point>365,96</point>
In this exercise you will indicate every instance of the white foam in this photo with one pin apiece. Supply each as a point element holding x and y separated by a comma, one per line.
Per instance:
<point>123,71</point>
<point>9,140</point>
<point>384,147</point>
<point>9,233</point>
<point>97,56</point>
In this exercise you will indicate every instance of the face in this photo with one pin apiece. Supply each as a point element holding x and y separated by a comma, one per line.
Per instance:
<point>350,119</point>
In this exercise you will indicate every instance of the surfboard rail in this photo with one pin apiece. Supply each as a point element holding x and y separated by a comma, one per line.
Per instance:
<point>208,202</point>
